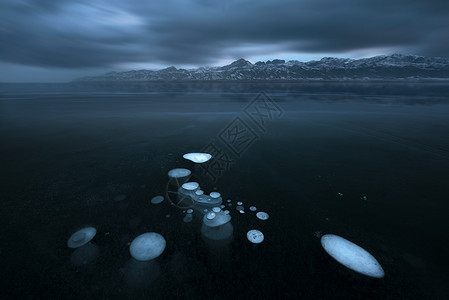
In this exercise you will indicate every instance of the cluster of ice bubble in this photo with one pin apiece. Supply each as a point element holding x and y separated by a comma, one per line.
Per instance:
<point>216,218</point>
<point>190,191</point>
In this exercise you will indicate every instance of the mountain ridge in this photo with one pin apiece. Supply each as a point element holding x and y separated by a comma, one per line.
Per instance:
<point>383,67</point>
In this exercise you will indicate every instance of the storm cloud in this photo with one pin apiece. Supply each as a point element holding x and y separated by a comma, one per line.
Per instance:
<point>98,33</point>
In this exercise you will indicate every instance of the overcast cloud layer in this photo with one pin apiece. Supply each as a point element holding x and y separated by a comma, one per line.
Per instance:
<point>102,34</point>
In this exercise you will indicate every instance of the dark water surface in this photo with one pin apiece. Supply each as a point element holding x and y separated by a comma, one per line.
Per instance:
<point>70,151</point>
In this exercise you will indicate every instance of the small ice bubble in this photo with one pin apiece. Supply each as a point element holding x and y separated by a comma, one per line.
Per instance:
<point>199,192</point>
<point>81,237</point>
<point>197,157</point>
<point>190,186</point>
<point>340,194</point>
<point>229,200</point>
<point>239,207</point>
<point>252,208</point>
<point>241,211</point>
<point>226,212</point>
<point>215,195</point>
<point>157,199</point>
<point>230,204</point>
<point>210,216</point>
<point>255,236</point>
<point>179,173</point>
<point>262,215</point>
<point>189,211</point>
<point>239,203</point>
<point>364,197</point>
<point>216,209</point>
<point>222,206</point>
<point>188,218</point>
<point>167,216</point>
<point>120,197</point>
<point>205,210</point>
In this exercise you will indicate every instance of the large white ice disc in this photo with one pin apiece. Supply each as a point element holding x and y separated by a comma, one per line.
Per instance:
<point>197,157</point>
<point>179,173</point>
<point>190,186</point>
<point>81,237</point>
<point>351,256</point>
<point>147,246</point>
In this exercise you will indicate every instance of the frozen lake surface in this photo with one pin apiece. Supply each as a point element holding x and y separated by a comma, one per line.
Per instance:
<point>365,161</point>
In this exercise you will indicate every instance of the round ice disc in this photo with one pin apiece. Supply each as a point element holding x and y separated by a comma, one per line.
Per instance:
<point>255,236</point>
<point>157,199</point>
<point>147,246</point>
<point>81,237</point>
<point>262,215</point>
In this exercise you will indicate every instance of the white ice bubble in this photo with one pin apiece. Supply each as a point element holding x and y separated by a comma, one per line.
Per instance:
<point>262,215</point>
<point>241,211</point>
<point>197,157</point>
<point>351,256</point>
<point>239,203</point>
<point>210,216</point>
<point>190,186</point>
<point>220,218</point>
<point>229,200</point>
<point>255,236</point>
<point>252,208</point>
<point>216,209</point>
<point>188,218</point>
<point>222,206</point>
<point>215,195</point>
<point>179,173</point>
<point>81,237</point>
<point>189,211</point>
<point>147,246</point>
<point>157,199</point>
<point>227,212</point>
<point>199,192</point>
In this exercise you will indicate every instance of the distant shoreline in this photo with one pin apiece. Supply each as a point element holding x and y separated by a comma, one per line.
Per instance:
<point>423,80</point>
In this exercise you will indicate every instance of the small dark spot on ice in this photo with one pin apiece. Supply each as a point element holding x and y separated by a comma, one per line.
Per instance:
<point>120,197</point>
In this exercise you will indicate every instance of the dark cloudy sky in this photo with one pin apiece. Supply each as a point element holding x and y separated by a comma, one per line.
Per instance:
<point>57,40</point>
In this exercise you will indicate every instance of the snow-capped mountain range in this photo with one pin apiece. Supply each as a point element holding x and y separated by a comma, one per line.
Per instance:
<point>385,67</point>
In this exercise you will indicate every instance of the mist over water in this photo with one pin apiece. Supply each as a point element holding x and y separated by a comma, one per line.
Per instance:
<point>366,161</point>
